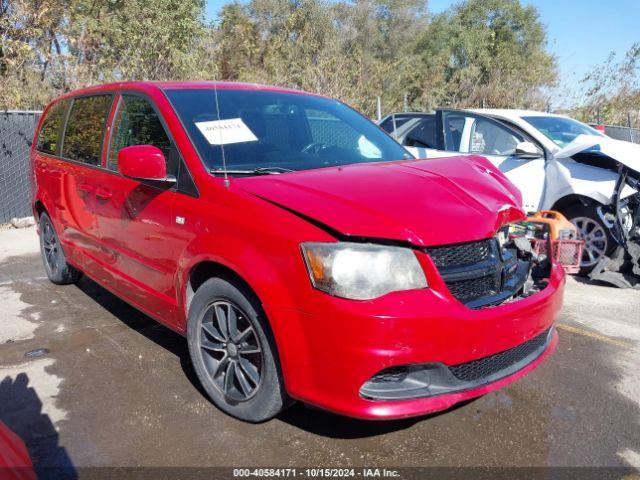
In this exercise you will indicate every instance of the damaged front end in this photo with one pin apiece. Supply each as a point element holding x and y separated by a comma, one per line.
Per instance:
<point>622,218</point>
<point>621,213</point>
<point>493,271</point>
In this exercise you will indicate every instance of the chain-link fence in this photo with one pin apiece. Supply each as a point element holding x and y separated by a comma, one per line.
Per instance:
<point>16,135</point>
<point>622,133</point>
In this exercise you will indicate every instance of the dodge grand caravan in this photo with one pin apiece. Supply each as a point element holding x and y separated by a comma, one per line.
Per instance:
<point>302,251</point>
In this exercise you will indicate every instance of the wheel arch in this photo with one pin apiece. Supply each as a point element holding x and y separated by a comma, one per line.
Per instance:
<point>562,204</point>
<point>267,273</point>
<point>42,203</point>
<point>206,269</point>
<point>203,270</point>
<point>38,209</point>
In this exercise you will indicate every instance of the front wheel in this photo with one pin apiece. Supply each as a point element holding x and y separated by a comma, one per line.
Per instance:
<point>233,351</point>
<point>598,241</point>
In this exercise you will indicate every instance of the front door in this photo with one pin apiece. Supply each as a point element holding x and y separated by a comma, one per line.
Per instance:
<point>134,217</point>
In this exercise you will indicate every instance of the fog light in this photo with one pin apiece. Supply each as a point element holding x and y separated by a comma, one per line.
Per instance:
<point>409,381</point>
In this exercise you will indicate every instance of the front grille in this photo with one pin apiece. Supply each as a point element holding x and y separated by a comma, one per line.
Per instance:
<point>488,366</point>
<point>461,254</point>
<point>481,273</point>
<point>470,270</point>
<point>472,288</point>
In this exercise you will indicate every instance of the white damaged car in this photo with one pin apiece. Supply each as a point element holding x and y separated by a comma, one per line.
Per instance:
<point>557,163</point>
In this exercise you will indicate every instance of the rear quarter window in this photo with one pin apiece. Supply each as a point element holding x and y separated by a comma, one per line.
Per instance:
<point>85,128</point>
<point>49,136</point>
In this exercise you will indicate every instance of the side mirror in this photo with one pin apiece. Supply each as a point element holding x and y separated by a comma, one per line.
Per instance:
<point>143,162</point>
<point>527,150</point>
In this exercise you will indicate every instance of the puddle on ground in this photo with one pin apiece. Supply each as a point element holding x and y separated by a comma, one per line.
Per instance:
<point>20,321</point>
<point>631,457</point>
<point>18,325</point>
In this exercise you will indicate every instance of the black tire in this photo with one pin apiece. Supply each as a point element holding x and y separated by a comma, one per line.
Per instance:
<point>598,240</point>
<point>219,300</point>
<point>55,262</point>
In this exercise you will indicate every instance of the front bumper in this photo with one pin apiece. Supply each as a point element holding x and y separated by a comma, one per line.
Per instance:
<point>335,346</point>
<point>432,379</point>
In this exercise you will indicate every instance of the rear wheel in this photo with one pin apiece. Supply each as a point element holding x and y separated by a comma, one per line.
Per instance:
<point>233,351</point>
<point>598,241</point>
<point>58,269</point>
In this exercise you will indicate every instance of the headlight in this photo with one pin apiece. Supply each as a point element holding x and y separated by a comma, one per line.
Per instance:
<point>361,271</point>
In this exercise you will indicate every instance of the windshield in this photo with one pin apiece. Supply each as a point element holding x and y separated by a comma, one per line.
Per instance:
<point>560,130</point>
<point>274,132</point>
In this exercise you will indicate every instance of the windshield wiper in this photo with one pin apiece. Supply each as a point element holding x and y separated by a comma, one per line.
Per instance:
<point>270,170</point>
<point>255,171</point>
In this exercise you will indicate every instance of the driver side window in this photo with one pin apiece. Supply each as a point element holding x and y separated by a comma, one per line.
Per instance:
<point>478,135</point>
<point>136,123</point>
<point>491,139</point>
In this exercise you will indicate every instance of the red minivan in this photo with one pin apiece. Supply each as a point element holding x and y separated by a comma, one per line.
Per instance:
<point>298,247</point>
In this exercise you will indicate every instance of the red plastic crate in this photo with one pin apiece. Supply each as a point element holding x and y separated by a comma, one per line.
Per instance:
<point>567,253</point>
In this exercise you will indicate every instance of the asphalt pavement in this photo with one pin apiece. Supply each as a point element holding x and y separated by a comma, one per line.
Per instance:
<point>88,381</point>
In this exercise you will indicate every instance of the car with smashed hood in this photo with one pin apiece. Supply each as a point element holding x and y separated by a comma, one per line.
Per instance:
<point>303,252</point>
<point>557,163</point>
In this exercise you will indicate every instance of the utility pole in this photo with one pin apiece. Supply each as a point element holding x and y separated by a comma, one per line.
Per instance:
<point>379,108</point>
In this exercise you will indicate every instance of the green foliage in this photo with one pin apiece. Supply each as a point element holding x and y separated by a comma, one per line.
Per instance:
<point>490,51</point>
<point>612,91</point>
<point>355,50</point>
<point>350,51</point>
<point>51,46</point>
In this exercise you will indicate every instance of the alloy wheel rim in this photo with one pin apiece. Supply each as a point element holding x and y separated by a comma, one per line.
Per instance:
<point>595,240</point>
<point>50,246</point>
<point>231,350</point>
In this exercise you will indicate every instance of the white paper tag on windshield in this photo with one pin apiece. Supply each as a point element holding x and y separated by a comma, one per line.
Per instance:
<point>223,132</point>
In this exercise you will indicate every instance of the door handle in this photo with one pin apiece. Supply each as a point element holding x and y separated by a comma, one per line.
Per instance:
<point>85,188</point>
<point>103,194</point>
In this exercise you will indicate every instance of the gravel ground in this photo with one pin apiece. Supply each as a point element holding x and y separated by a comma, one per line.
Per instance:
<point>116,389</point>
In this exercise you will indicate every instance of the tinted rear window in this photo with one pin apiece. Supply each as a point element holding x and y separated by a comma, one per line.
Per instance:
<point>49,136</point>
<point>423,134</point>
<point>390,124</point>
<point>85,128</point>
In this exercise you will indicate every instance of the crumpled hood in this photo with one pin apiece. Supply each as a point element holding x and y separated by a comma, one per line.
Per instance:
<point>626,153</point>
<point>424,202</point>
